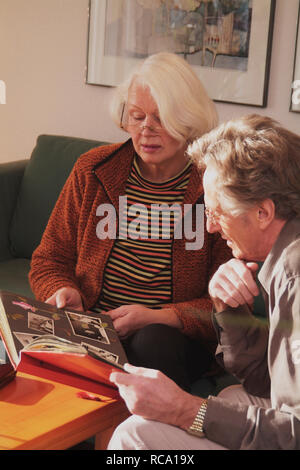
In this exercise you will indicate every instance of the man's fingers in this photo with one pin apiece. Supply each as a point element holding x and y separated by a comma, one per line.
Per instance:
<point>232,290</point>
<point>119,378</point>
<point>227,298</point>
<point>233,283</point>
<point>244,276</point>
<point>252,266</point>
<point>144,371</point>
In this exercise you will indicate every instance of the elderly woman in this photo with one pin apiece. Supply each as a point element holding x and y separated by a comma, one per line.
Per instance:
<point>152,283</point>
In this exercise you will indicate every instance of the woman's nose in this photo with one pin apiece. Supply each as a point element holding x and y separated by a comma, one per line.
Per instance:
<point>148,125</point>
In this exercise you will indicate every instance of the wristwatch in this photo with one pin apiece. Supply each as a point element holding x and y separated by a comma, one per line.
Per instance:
<point>196,429</point>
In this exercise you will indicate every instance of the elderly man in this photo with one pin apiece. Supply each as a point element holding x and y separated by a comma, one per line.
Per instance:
<point>252,198</point>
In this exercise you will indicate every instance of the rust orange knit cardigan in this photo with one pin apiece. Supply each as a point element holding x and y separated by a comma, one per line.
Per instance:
<point>71,254</point>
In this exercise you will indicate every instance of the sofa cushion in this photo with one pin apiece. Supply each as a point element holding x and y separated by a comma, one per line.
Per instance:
<point>14,276</point>
<point>46,172</point>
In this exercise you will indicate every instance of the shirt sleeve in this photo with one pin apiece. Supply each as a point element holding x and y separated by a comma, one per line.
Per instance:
<point>237,426</point>
<point>243,350</point>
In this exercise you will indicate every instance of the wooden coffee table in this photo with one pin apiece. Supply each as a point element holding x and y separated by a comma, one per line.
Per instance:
<point>40,414</point>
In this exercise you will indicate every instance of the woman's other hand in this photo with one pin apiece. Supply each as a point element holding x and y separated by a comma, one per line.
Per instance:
<point>66,297</point>
<point>129,318</point>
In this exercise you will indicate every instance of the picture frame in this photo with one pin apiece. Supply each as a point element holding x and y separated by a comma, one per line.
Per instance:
<point>230,54</point>
<point>295,94</point>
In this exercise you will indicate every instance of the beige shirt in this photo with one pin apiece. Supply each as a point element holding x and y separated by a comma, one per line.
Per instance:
<point>264,356</point>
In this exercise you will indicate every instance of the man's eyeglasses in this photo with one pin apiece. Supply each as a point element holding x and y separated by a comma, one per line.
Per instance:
<point>136,121</point>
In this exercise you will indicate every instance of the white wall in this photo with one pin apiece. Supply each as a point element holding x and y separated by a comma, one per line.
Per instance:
<point>43,45</point>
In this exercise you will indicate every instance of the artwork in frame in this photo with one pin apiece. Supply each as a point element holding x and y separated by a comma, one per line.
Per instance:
<point>295,99</point>
<point>228,42</point>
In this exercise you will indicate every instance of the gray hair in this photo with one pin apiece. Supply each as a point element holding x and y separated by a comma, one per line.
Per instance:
<point>256,159</point>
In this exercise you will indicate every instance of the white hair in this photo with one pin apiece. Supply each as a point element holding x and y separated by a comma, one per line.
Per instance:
<point>185,109</point>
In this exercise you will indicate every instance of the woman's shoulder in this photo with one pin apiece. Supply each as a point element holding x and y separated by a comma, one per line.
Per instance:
<point>96,155</point>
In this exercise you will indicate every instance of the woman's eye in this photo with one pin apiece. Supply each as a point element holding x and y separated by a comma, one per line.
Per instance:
<point>138,117</point>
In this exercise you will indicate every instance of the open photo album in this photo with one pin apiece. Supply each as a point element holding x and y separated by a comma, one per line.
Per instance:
<point>64,343</point>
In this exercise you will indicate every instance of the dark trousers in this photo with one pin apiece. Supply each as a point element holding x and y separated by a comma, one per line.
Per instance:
<point>165,348</point>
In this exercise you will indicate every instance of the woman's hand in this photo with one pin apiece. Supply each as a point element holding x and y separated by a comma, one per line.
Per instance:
<point>129,318</point>
<point>151,394</point>
<point>66,297</point>
<point>233,284</point>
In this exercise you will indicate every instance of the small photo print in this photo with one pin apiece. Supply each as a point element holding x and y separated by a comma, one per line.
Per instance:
<point>87,327</point>
<point>25,338</point>
<point>106,355</point>
<point>40,323</point>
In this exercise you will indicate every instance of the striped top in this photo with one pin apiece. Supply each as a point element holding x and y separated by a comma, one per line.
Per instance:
<point>139,266</point>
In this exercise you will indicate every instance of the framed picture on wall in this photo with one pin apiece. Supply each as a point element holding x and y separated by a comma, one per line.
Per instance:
<point>295,97</point>
<point>228,42</point>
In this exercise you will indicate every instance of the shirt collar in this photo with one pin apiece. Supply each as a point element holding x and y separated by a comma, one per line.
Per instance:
<point>289,232</point>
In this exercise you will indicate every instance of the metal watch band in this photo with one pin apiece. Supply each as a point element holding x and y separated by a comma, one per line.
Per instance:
<point>196,429</point>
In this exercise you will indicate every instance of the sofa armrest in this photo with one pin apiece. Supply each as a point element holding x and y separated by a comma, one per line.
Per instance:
<point>10,179</point>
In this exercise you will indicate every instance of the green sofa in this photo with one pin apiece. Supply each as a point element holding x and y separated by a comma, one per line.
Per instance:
<point>28,192</point>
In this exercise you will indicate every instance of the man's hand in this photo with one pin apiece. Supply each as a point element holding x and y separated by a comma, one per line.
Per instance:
<point>152,395</point>
<point>66,297</point>
<point>233,284</point>
<point>129,318</point>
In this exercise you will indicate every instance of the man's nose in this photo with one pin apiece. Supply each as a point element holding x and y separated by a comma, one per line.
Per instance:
<point>212,227</point>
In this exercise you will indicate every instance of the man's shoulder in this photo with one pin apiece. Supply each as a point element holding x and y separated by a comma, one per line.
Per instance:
<point>291,259</point>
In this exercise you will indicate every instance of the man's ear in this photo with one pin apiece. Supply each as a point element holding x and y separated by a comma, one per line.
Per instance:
<point>265,213</point>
